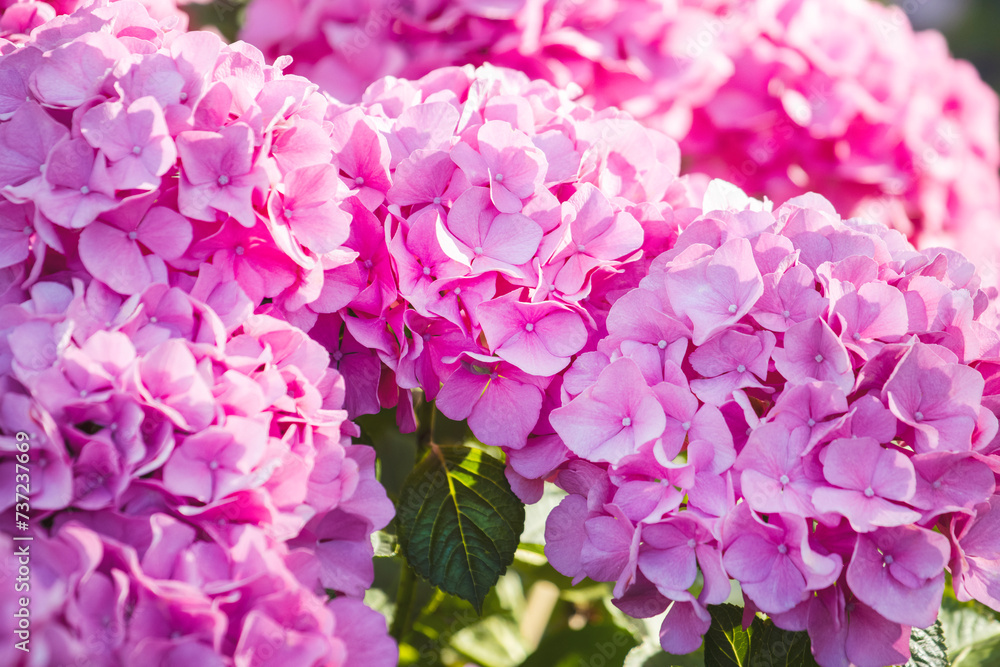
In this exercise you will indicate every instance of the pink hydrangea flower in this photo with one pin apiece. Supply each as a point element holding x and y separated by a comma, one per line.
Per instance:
<point>487,242</point>
<point>764,94</point>
<point>826,473</point>
<point>197,490</point>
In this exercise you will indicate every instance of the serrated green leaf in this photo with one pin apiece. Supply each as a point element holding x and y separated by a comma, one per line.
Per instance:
<point>774,647</point>
<point>727,644</point>
<point>458,521</point>
<point>927,647</point>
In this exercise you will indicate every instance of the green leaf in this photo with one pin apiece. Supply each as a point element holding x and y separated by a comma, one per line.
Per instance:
<point>458,521</point>
<point>774,647</point>
<point>972,632</point>
<point>927,647</point>
<point>763,644</point>
<point>727,644</point>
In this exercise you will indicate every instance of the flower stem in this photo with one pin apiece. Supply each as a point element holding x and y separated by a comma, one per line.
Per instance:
<point>425,425</point>
<point>404,603</point>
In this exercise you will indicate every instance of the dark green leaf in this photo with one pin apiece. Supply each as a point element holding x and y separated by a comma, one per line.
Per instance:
<point>774,647</point>
<point>763,644</point>
<point>727,644</point>
<point>927,647</point>
<point>458,521</point>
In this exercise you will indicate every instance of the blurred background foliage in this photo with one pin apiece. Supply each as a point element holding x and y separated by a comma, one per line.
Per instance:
<point>534,617</point>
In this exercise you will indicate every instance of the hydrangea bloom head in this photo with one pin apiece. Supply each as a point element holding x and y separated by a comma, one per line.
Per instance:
<point>199,493</point>
<point>19,17</point>
<point>493,223</point>
<point>875,117</point>
<point>822,431</point>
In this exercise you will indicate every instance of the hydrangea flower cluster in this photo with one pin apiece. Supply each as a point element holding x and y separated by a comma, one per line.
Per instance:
<point>196,493</point>
<point>493,222</point>
<point>780,97</point>
<point>803,404</point>
<point>19,17</point>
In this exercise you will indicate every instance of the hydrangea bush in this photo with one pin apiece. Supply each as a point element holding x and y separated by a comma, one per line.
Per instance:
<point>196,496</point>
<point>209,268</point>
<point>799,403</point>
<point>779,98</point>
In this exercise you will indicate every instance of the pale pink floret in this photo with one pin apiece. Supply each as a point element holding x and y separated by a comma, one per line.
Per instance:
<point>866,479</point>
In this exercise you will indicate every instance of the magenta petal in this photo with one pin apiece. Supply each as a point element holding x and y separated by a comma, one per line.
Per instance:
<point>683,628</point>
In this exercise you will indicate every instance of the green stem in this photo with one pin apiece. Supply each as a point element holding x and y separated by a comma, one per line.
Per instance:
<point>425,425</point>
<point>404,603</point>
<point>402,619</point>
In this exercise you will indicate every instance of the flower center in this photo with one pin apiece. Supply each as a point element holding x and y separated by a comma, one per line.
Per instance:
<point>368,264</point>
<point>786,313</point>
<point>869,492</point>
<point>580,247</point>
<point>427,270</point>
<point>137,150</point>
<point>84,190</point>
<point>529,327</point>
<point>856,336</point>
<point>782,549</point>
<point>133,235</point>
<point>213,465</point>
<point>498,178</point>
<point>783,479</point>
<point>662,344</point>
<point>741,368</point>
<point>478,250</point>
<point>153,320</point>
<point>458,291</point>
<point>338,355</point>
<point>818,358</point>
<point>733,308</point>
<point>811,422</point>
<point>437,200</point>
<point>918,416</point>
<point>692,543</point>
<point>240,250</point>
<point>360,180</point>
<point>686,425</point>
<point>626,421</point>
<point>936,484</point>
<point>27,230</point>
<point>888,559</point>
<point>223,180</point>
